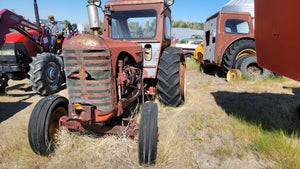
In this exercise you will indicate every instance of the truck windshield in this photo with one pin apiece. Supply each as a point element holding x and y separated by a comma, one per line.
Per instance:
<point>137,24</point>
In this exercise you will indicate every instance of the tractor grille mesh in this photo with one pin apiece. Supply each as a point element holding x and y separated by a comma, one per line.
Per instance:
<point>89,78</point>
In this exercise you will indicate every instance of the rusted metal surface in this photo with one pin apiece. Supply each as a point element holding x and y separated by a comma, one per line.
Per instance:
<point>160,38</point>
<point>224,39</point>
<point>131,2</point>
<point>131,129</point>
<point>88,70</point>
<point>276,36</point>
<point>105,75</point>
<point>84,113</point>
<point>182,79</point>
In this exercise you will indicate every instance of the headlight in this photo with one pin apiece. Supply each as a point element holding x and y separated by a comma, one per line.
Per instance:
<point>7,52</point>
<point>170,2</point>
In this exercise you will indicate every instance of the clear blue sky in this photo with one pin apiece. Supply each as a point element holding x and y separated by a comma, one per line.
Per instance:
<point>75,10</point>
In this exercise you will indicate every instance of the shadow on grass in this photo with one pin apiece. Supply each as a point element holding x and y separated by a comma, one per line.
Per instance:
<point>19,87</point>
<point>271,111</point>
<point>28,88</point>
<point>9,109</point>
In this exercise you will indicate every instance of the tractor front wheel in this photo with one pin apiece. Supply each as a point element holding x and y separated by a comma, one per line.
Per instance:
<point>148,134</point>
<point>171,77</point>
<point>3,82</point>
<point>44,123</point>
<point>46,73</point>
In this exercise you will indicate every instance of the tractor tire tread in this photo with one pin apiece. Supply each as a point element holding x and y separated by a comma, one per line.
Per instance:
<point>168,86</point>
<point>230,54</point>
<point>38,77</point>
<point>147,147</point>
<point>38,141</point>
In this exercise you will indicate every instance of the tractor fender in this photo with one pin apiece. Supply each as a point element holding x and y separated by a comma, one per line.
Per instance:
<point>118,48</point>
<point>198,54</point>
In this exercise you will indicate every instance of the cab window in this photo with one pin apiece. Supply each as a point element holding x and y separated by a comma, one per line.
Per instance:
<point>168,28</point>
<point>237,26</point>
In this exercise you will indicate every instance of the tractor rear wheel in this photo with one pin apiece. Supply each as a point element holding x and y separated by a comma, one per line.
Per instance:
<point>250,69</point>
<point>171,77</point>
<point>148,134</point>
<point>235,50</point>
<point>46,73</point>
<point>44,123</point>
<point>3,82</point>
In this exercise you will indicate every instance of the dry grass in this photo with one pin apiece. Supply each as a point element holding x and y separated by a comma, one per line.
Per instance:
<point>241,124</point>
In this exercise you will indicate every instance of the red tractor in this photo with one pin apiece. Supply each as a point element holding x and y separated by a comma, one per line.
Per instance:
<point>132,60</point>
<point>26,50</point>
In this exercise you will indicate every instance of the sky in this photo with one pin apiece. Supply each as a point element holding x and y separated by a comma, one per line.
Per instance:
<point>75,10</point>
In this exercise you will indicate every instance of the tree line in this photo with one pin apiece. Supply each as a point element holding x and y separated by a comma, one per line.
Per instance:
<point>175,24</point>
<point>187,24</point>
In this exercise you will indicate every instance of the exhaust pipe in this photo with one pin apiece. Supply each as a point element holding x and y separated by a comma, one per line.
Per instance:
<point>36,11</point>
<point>93,16</point>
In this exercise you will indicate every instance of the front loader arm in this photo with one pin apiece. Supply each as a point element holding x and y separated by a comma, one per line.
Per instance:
<point>9,20</point>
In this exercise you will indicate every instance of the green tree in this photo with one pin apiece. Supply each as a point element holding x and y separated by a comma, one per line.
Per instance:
<point>67,23</point>
<point>187,24</point>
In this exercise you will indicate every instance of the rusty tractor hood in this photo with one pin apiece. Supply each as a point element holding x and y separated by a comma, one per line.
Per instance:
<point>90,64</point>
<point>115,47</point>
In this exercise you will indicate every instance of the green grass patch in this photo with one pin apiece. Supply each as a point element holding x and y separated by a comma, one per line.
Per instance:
<point>224,151</point>
<point>281,147</point>
<point>192,64</point>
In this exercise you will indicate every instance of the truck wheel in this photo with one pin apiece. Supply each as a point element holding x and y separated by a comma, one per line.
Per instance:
<point>44,122</point>
<point>46,73</point>
<point>239,62</point>
<point>3,82</point>
<point>171,77</point>
<point>148,134</point>
<point>232,52</point>
<point>250,69</point>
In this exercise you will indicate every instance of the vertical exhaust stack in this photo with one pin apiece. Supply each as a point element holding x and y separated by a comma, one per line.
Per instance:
<point>94,20</point>
<point>36,11</point>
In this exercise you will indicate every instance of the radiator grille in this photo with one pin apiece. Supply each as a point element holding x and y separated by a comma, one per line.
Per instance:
<point>89,78</point>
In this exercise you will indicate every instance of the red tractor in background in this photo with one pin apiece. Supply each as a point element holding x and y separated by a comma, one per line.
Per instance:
<point>133,60</point>
<point>26,51</point>
<point>229,44</point>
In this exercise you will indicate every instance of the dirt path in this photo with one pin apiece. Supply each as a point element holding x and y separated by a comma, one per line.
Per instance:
<point>190,135</point>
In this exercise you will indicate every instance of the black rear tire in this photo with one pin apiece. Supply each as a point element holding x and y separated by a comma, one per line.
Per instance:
<point>46,73</point>
<point>3,82</point>
<point>239,62</point>
<point>250,69</point>
<point>43,123</point>
<point>171,77</point>
<point>231,53</point>
<point>148,134</point>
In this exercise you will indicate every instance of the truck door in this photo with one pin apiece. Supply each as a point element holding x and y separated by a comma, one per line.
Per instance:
<point>210,31</point>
